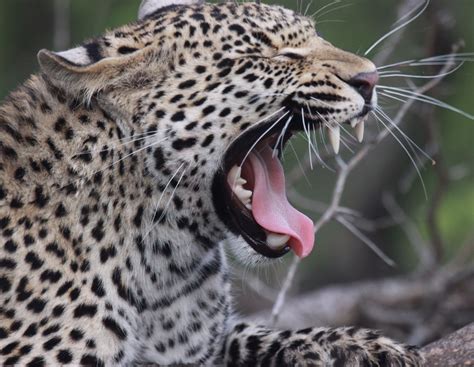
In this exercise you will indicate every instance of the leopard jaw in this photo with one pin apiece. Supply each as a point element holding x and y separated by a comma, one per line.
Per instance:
<point>275,241</point>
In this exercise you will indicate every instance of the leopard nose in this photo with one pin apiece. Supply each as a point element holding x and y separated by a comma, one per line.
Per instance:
<point>365,84</point>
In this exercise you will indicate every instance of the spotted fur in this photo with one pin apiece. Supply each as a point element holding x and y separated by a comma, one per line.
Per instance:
<point>111,248</point>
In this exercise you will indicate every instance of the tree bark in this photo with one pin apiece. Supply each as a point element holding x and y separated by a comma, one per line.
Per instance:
<point>417,310</point>
<point>455,350</point>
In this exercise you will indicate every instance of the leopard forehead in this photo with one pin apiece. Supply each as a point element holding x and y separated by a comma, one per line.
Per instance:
<point>229,25</point>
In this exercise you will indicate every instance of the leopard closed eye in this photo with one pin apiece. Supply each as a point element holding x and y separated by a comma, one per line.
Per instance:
<point>128,162</point>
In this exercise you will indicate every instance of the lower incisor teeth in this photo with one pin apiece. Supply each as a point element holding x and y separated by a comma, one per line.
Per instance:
<point>276,241</point>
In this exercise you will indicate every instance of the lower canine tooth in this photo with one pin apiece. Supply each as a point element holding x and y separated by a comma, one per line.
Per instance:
<point>359,130</point>
<point>335,137</point>
<point>242,194</point>
<point>276,241</point>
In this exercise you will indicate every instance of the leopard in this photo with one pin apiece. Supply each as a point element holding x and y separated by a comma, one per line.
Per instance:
<point>133,164</point>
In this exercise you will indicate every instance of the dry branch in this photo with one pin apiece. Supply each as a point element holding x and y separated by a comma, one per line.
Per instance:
<point>454,350</point>
<point>417,310</point>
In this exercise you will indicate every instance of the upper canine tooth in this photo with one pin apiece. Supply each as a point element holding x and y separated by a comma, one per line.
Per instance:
<point>335,137</point>
<point>234,175</point>
<point>359,130</point>
<point>354,122</point>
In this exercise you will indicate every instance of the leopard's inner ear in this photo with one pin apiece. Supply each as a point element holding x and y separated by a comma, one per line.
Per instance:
<point>148,7</point>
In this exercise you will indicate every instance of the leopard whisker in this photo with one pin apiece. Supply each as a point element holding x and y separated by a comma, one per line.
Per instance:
<point>319,156</point>
<point>315,146</point>
<point>405,136</point>
<point>157,205</point>
<point>281,136</point>
<point>329,126</point>
<point>414,76</point>
<point>329,11</point>
<point>171,196</point>
<point>310,145</point>
<point>125,157</point>
<point>266,131</point>
<point>380,120</point>
<point>399,92</point>
<point>432,61</point>
<point>325,7</point>
<point>333,120</point>
<point>115,146</point>
<point>308,7</point>
<point>303,171</point>
<point>401,26</point>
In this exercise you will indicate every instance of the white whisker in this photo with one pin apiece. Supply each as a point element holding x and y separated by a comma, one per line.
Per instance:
<point>125,157</point>
<point>392,97</point>
<point>157,206</point>
<point>281,137</point>
<point>329,11</point>
<point>407,138</point>
<point>308,7</point>
<point>325,7</point>
<point>266,131</point>
<point>423,98</point>
<point>303,171</point>
<point>171,197</point>
<point>309,139</point>
<point>406,151</point>
<point>432,61</point>
<point>412,76</point>
<point>401,26</point>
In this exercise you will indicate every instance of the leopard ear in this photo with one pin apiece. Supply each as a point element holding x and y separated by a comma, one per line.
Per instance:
<point>80,59</point>
<point>148,7</point>
<point>85,71</point>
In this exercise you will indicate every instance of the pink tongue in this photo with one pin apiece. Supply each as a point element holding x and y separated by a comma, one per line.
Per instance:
<point>271,208</point>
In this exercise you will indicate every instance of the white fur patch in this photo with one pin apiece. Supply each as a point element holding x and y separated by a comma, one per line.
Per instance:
<point>78,56</point>
<point>147,7</point>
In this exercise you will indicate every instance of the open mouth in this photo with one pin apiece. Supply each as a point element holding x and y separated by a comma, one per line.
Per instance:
<point>249,191</point>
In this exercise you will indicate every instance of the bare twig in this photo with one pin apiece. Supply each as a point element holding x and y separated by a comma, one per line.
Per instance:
<point>426,260</point>
<point>365,240</point>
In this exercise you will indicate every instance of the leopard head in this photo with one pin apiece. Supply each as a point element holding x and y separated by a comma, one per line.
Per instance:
<point>217,90</point>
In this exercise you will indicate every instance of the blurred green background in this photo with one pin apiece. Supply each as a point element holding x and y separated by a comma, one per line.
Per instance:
<point>27,26</point>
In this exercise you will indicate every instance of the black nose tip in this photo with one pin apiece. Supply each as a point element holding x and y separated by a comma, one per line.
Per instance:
<point>365,84</point>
